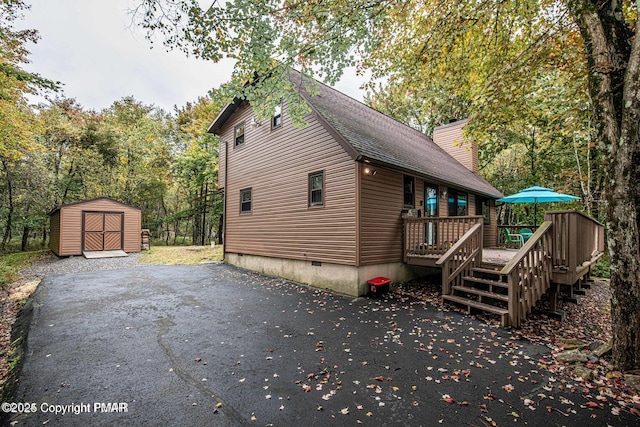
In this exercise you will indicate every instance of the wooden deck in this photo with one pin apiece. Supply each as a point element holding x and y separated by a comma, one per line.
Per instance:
<point>507,282</point>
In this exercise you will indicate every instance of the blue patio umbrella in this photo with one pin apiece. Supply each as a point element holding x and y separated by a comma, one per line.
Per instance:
<point>537,195</point>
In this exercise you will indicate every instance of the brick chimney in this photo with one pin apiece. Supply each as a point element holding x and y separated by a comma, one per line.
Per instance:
<point>449,137</point>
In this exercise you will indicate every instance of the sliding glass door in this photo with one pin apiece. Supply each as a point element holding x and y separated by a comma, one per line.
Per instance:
<point>430,210</point>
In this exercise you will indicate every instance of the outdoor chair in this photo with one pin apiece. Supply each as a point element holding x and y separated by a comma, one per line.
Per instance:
<point>526,233</point>
<point>514,238</point>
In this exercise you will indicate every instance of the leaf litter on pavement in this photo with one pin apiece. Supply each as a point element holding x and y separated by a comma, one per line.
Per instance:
<point>587,323</point>
<point>367,359</point>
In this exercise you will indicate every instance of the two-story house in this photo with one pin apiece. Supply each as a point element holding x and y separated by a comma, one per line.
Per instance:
<point>323,205</point>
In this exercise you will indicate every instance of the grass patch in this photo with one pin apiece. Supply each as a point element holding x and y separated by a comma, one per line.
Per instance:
<point>181,255</point>
<point>11,264</point>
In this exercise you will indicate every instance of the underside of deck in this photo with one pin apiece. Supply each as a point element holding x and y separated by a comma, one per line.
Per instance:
<point>494,256</point>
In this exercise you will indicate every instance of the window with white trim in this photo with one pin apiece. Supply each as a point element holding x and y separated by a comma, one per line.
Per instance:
<point>316,188</point>
<point>245,201</point>
<point>276,120</point>
<point>238,134</point>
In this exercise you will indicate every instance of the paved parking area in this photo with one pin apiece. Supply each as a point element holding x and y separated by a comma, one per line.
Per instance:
<point>215,345</point>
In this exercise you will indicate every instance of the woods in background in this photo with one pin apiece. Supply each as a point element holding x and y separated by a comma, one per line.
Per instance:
<point>135,153</point>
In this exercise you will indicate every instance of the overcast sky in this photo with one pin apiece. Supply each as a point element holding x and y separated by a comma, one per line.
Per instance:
<point>88,46</point>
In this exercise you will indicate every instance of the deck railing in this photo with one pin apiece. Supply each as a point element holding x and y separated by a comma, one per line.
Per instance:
<point>529,273</point>
<point>578,244</point>
<point>461,258</point>
<point>434,235</point>
<point>561,251</point>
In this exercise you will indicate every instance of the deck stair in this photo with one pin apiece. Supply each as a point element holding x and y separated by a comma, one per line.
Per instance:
<point>486,290</point>
<point>560,252</point>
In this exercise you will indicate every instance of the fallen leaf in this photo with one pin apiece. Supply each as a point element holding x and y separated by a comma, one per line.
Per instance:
<point>447,398</point>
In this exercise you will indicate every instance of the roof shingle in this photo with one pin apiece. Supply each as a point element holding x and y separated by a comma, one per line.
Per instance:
<point>380,138</point>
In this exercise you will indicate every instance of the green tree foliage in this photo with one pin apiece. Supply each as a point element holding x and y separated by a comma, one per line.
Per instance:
<point>139,141</point>
<point>58,153</point>
<point>17,121</point>
<point>516,68</point>
<point>493,55</point>
<point>135,153</point>
<point>196,166</point>
<point>65,137</point>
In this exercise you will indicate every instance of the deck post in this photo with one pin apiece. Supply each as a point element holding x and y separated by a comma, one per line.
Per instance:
<point>553,296</point>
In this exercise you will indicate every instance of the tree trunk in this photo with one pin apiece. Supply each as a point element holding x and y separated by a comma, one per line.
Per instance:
<point>196,218</point>
<point>7,229</point>
<point>204,214</point>
<point>614,84</point>
<point>220,229</point>
<point>25,239</point>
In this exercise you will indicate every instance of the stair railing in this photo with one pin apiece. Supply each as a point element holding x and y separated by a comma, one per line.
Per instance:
<point>463,256</point>
<point>529,273</point>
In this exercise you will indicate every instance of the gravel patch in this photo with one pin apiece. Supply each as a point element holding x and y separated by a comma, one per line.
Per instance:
<point>54,266</point>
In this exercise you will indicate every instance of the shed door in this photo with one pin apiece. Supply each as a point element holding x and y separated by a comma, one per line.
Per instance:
<point>102,231</point>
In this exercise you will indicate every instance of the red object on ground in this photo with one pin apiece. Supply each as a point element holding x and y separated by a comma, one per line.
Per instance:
<point>378,285</point>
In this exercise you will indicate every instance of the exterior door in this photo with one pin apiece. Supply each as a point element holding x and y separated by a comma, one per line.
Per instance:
<point>430,210</point>
<point>102,231</point>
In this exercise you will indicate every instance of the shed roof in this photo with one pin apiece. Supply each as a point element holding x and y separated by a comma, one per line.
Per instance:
<point>369,135</point>
<point>57,208</point>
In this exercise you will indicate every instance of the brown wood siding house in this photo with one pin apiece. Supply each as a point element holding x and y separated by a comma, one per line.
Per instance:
<point>99,224</point>
<point>323,204</point>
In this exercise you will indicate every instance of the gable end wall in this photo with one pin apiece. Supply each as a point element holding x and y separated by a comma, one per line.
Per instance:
<point>275,164</point>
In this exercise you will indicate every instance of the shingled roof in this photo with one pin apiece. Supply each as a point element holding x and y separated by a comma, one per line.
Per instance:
<point>372,136</point>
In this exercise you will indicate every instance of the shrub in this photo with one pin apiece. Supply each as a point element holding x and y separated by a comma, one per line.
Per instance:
<point>602,268</point>
<point>11,264</point>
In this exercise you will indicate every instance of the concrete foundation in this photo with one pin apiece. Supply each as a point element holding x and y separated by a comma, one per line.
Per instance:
<point>345,279</point>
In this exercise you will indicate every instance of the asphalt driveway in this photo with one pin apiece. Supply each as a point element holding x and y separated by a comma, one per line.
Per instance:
<point>215,345</point>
